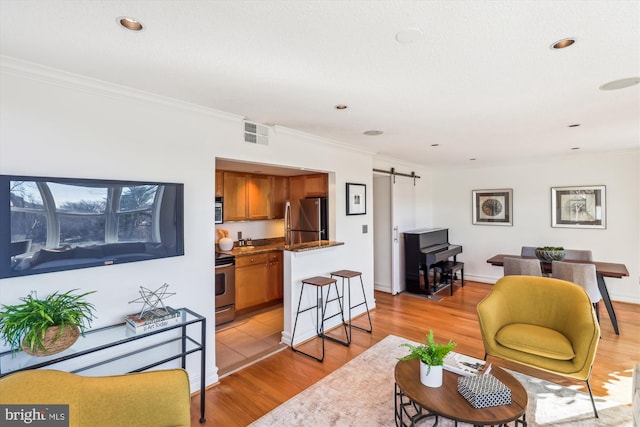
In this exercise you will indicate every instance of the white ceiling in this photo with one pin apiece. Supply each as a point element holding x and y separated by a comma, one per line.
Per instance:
<point>482,81</point>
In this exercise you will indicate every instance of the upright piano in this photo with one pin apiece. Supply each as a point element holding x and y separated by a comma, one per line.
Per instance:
<point>422,250</point>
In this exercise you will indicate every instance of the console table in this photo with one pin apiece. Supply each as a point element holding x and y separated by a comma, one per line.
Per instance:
<point>115,350</point>
<point>603,269</point>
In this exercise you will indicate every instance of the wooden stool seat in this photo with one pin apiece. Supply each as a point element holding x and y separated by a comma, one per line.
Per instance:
<point>319,281</point>
<point>346,274</point>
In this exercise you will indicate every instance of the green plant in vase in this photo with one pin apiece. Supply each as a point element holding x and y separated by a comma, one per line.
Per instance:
<point>46,326</point>
<point>430,354</point>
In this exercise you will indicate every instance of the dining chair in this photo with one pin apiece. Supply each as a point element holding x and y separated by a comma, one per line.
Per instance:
<point>580,274</point>
<point>521,267</point>
<point>578,254</point>
<point>528,251</point>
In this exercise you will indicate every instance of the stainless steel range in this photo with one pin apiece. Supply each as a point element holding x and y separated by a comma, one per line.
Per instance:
<point>225,278</point>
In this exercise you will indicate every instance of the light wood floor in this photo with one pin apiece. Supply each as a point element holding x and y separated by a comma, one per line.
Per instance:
<point>243,397</point>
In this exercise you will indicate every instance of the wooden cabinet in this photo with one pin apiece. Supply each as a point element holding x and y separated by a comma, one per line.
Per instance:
<point>275,287</point>
<point>316,185</point>
<point>258,280</point>
<point>251,280</point>
<point>219,184</point>
<point>279,195</point>
<point>247,196</point>
<point>235,196</point>
<point>302,186</point>
<point>258,196</point>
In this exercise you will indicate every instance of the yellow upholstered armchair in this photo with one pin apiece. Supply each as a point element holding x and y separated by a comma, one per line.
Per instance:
<point>541,322</point>
<point>152,398</point>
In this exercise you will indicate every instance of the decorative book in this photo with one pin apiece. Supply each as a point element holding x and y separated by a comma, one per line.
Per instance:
<point>152,320</point>
<point>462,364</point>
<point>483,391</point>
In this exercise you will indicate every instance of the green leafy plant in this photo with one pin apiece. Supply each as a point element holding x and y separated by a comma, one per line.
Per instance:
<point>30,320</point>
<point>551,248</point>
<point>429,352</point>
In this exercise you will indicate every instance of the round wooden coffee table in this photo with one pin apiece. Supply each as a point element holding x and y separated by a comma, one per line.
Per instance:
<point>414,401</point>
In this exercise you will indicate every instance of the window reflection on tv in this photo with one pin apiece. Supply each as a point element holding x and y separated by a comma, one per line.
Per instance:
<point>54,224</point>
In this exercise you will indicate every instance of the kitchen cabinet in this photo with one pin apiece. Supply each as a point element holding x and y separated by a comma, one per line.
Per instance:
<point>258,280</point>
<point>302,186</point>
<point>246,196</point>
<point>235,197</point>
<point>316,185</point>
<point>279,195</point>
<point>258,196</point>
<point>251,280</point>
<point>275,288</point>
<point>219,184</point>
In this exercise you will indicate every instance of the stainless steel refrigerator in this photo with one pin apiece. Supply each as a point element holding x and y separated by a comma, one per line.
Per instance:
<point>306,220</point>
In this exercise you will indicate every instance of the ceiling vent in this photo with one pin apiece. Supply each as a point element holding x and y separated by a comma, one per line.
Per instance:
<point>255,133</point>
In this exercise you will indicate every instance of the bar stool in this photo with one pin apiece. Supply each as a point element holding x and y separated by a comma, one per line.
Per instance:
<point>348,274</point>
<point>319,282</point>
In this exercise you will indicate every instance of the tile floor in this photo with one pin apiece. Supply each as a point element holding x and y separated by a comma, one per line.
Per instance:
<point>249,339</point>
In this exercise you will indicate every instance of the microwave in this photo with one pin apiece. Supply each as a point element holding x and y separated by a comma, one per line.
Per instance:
<point>218,210</point>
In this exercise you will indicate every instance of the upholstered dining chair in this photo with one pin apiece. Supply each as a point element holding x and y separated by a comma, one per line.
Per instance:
<point>580,274</point>
<point>522,267</point>
<point>528,251</point>
<point>578,254</point>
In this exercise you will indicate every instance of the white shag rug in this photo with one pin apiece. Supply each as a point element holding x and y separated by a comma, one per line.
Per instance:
<point>361,393</point>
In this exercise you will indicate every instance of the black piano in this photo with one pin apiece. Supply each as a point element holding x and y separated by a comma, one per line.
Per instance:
<point>423,249</point>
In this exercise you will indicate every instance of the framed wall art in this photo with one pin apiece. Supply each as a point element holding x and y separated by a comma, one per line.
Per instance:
<point>492,207</point>
<point>356,199</point>
<point>579,207</point>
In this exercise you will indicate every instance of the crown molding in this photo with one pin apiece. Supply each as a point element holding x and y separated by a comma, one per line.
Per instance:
<point>53,76</point>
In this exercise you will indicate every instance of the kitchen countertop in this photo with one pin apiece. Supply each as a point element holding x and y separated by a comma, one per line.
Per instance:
<point>280,246</point>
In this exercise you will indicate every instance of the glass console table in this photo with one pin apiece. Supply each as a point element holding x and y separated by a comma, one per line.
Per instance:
<point>116,349</point>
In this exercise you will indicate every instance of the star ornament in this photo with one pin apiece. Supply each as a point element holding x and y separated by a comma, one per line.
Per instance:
<point>152,300</point>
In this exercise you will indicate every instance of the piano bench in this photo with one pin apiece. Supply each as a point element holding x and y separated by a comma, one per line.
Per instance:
<point>448,269</point>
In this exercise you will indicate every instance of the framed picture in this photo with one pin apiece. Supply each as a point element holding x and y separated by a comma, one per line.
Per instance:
<point>356,199</point>
<point>492,207</point>
<point>579,207</point>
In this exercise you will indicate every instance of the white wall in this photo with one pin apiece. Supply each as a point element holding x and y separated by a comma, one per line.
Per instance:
<point>531,183</point>
<point>55,124</point>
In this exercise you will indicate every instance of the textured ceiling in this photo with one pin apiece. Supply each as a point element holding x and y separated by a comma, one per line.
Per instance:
<point>481,82</point>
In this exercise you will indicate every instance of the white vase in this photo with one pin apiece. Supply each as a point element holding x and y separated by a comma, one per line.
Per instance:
<point>226,244</point>
<point>430,377</point>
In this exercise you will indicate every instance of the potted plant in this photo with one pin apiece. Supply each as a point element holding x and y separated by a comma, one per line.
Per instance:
<point>42,327</point>
<point>431,356</point>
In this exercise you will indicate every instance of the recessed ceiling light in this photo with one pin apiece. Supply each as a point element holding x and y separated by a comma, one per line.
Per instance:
<point>341,107</point>
<point>409,35</point>
<point>621,84</point>
<point>129,23</point>
<point>574,125</point>
<point>561,44</point>
<point>373,132</point>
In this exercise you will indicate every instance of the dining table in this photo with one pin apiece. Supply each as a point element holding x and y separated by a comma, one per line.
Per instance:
<point>603,269</point>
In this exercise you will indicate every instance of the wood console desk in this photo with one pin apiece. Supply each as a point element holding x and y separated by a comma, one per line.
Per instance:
<point>603,269</point>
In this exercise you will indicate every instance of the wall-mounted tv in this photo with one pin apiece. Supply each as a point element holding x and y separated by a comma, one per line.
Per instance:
<point>55,224</point>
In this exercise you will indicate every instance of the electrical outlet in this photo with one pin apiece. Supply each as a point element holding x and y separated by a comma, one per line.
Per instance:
<point>365,228</point>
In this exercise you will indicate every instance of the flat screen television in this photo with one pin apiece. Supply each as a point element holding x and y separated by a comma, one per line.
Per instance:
<point>55,224</point>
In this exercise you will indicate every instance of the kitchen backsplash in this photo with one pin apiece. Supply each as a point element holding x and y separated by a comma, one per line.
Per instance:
<point>254,229</point>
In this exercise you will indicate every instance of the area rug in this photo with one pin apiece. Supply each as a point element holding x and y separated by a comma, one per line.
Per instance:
<point>360,393</point>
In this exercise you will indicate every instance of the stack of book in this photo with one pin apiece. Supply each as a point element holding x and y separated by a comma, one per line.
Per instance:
<point>152,320</point>
<point>462,364</point>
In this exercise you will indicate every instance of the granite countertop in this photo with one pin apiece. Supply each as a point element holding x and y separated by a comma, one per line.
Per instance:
<point>268,245</point>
